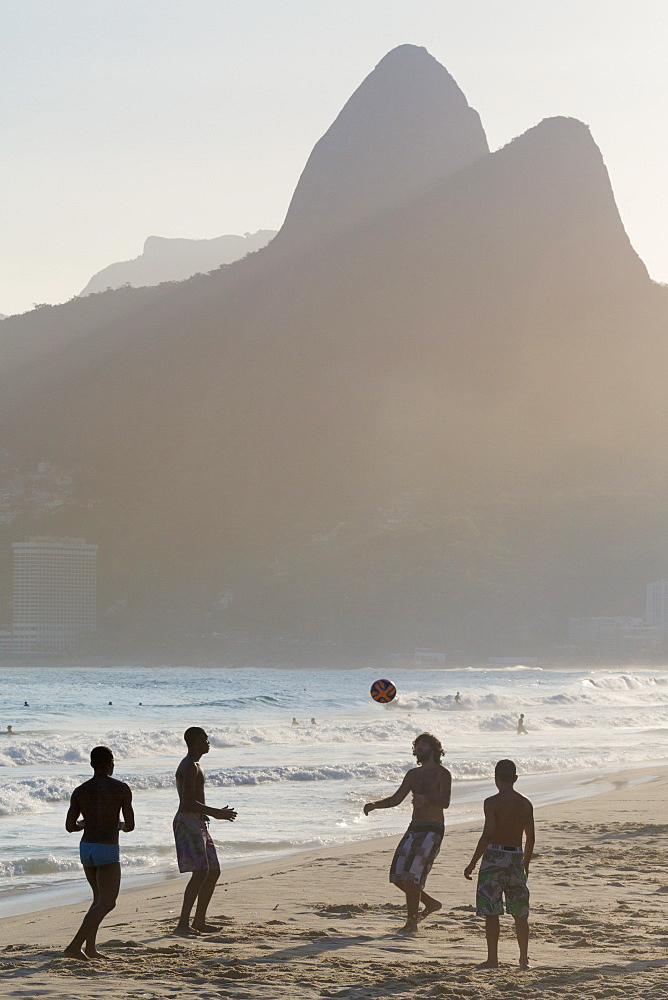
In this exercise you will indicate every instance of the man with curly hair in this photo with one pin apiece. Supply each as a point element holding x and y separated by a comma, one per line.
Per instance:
<point>430,784</point>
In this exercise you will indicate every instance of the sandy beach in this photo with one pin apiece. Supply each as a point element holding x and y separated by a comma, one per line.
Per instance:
<point>323,923</point>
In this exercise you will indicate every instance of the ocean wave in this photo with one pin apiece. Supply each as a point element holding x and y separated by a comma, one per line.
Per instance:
<point>24,795</point>
<point>399,723</point>
<point>49,864</point>
<point>497,669</point>
<point>65,748</point>
<point>623,682</point>
<point>476,770</point>
<point>414,701</point>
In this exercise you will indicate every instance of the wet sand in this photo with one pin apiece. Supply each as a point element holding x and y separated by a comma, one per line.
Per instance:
<point>324,923</point>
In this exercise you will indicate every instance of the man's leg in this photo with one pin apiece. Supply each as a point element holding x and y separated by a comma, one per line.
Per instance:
<point>105,882</point>
<point>412,892</point>
<point>492,928</point>
<point>203,900</point>
<point>189,896</point>
<point>522,931</point>
<point>430,904</point>
<point>91,875</point>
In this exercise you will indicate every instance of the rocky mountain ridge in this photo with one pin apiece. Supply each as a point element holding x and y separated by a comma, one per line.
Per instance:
<point>167,259</point>
<point>469,345</point>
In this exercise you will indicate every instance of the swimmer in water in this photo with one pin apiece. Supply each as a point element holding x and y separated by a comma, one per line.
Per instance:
<point>10,730</point>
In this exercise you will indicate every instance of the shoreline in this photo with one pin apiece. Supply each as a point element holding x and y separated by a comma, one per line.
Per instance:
<point>576,786</point>
<point>323,923</point>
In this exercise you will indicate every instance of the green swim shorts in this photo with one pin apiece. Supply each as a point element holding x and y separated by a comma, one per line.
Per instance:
<point>502,874</point>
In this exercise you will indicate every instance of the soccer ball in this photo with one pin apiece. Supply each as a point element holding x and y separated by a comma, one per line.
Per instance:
<point>383,691</point>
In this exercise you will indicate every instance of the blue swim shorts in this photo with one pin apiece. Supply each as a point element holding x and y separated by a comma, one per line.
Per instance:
<point>98,855</point>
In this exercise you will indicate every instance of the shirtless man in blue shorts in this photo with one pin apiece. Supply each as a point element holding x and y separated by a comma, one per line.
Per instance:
<point>100,801</point>
<point>195,850</point>
<point>430,784</point>
<point>505,864</point>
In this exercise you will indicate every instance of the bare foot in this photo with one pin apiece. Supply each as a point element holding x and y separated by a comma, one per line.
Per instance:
<point>185,931</point>
<point>409,929</point>
<point>489,964</point>
<point>71,952</point>
<point>428,910</point>
<point>94,953</point>
<point>524,966</point>
<point>206,928</point>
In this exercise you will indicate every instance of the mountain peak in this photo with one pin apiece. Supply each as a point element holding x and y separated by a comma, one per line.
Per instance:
<point>407,126</point>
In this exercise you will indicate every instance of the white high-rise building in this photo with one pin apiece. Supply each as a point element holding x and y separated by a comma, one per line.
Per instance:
<point>656,605</point>
<point>54,601</point>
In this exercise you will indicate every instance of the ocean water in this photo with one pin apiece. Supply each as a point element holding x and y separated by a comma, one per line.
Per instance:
<point>298,786</point>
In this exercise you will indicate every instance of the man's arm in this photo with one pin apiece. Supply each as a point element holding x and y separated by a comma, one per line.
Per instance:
<point>128,823</point>
<point>529,838</point>
<point>486,838</point>
<point>72,821</point>
<point>392,800</point>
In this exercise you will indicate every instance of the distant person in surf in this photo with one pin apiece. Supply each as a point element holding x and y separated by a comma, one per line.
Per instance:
<point>294,721</point>
<point>505,864</point>
<point>100,802</point>
<point>521,731</point>
<point>430,784</point>
<point>195,850</point>
<point>458,698</point>
<point>313,722</point>
<point>10,730</point>
<point>26,705</point>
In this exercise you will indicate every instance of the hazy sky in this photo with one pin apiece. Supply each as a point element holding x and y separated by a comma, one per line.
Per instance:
<point>122,119</point>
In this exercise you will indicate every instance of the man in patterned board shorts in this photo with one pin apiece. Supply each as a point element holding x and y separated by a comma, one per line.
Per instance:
<point>195,850</point>
<point>505,865</point>
<point>430,784</point>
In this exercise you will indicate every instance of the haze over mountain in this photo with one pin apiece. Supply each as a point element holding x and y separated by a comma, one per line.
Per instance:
<point>430,419</point>
<point>166,259</point>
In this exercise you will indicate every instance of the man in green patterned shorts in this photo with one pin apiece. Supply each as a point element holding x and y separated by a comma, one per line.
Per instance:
<point>505,865</point>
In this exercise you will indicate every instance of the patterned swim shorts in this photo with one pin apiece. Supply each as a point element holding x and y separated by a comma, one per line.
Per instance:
<point>502,874</point>
<point>195,850</point>
<point>416,853</point>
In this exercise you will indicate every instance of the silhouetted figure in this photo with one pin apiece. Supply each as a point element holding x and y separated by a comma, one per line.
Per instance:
<point>521,731</point>
<point>294,721</point>
<point>195,850</point>
<point>505,865</point>
<point>100,802</point>
<point>430,784</point>
<point>26,705</point>
<point>313,722</point>
<point>110,703</point>
<point>10,730</point>
<point>458,698</point>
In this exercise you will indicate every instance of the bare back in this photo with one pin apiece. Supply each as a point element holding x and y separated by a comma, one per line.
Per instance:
<point>508,816</point>
<point>100,801</point>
